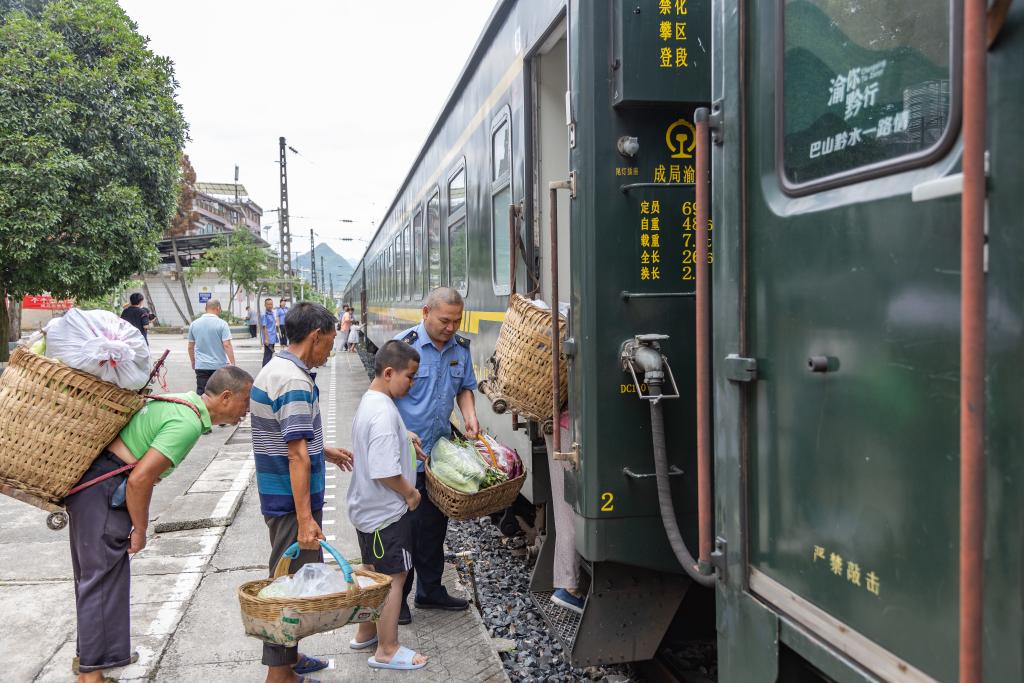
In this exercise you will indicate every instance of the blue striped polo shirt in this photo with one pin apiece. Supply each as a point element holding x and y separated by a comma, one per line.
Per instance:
<point>285,407</point>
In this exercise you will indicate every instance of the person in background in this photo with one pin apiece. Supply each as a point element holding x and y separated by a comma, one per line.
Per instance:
<point>269,334</point>
<point>382,496</point>
<point>209,344</point>
<point>566,574</point>
<point>109,519</point>
<point>288,445</point>
<point>346,323</point>
<point>252,320</point>
<point>282,313</point>
<point>445,375</point>
<point>137,315</point>
<point>353,336</point>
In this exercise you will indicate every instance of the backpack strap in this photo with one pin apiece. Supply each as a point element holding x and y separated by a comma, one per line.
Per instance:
<point>180,402</point>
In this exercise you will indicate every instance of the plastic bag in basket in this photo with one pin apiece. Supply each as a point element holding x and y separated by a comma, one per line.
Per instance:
<point>508,460</point>
<point>102,344</point>
<point>312,580</point>
<point>457,466</point>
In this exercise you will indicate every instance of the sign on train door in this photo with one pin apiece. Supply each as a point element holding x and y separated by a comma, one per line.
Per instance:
<point>853,319</point>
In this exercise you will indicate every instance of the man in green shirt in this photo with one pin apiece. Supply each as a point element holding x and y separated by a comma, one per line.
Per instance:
<point>109,518</point>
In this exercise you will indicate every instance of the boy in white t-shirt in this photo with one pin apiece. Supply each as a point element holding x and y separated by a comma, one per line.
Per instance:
<point>381,494</point>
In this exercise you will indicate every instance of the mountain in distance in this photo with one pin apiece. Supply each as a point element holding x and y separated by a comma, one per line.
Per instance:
<point>334,263</point>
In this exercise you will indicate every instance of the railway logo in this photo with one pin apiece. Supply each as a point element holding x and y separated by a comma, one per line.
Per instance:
<point>681,138</point>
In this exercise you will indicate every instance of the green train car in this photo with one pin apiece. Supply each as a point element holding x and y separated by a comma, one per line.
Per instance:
<point>835,136</point>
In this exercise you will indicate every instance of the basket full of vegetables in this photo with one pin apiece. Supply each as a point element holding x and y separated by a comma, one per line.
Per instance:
<point>470,479</point>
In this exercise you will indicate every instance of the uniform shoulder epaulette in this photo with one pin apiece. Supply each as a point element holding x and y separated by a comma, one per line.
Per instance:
<point>411,338</point>
<point>461,341</point>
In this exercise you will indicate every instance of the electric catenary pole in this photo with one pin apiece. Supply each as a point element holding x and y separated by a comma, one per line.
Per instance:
<point>312,260</point>
<point>285,230</point>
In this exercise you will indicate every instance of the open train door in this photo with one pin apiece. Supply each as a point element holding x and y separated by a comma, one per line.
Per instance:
<point>837,299</point>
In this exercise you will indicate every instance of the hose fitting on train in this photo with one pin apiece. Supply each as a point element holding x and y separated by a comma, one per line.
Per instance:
<point>643,354</point>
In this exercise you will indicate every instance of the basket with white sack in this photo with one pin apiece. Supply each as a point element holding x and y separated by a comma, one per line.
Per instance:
<point>56,418</point>
<point>286,620</point>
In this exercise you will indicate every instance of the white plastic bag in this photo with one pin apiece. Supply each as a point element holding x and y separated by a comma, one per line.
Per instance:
<point>102,344</point>
<point>310,581</point>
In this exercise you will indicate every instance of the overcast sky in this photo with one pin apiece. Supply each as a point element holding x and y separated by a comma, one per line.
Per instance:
<point>353,86</point>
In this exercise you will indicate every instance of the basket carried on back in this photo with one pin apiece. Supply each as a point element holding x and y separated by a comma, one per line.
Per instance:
<point>460,506</point>
<point>521,366</point>
<point>55,421</point>
<point>284,621</point>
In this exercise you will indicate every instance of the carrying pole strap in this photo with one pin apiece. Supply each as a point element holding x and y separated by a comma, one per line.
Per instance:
<point>121,470</point>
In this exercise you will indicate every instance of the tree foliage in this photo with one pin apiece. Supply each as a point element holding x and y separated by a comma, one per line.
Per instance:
<point>90,137</point>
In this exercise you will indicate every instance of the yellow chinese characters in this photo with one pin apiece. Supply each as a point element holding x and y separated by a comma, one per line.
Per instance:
<point>847,569</point>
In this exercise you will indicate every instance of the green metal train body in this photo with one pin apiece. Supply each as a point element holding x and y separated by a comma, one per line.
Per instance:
<point>835,290</point>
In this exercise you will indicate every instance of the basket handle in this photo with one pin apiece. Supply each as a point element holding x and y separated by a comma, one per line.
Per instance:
<point>293,552</point>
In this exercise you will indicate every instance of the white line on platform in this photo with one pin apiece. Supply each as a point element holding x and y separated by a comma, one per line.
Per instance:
<point>328,508</point>
<point>238,485</point>
<point>329,497</point>
<point>328,522</point>
<point>331,537</point>
<point>331,486</point>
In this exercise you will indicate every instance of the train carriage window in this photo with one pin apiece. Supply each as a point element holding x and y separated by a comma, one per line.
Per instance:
<point>434,240</point>
<point>501,197</point>
<point>399,267</point>
<point>408,270</point>
<point>458,235</point>
<point>866,88</point>
<point>419,277</point>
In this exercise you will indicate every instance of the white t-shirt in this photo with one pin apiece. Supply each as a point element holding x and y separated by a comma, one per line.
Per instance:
<point>381,449</point>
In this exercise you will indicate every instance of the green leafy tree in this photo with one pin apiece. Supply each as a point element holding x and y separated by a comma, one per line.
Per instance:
<point>238,259</point>
<point>90,137</point>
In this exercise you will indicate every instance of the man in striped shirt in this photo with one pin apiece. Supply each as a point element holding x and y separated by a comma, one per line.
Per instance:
<point>288,443</point>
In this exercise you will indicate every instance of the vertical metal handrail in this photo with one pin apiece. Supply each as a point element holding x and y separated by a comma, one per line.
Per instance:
<point>556,389</point>
<point>703,333</point>
<point>972,345</point>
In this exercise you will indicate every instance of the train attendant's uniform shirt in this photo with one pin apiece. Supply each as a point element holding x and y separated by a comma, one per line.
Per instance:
<point>427,408</point>
<point>269,322</point>
<point>285,407</point>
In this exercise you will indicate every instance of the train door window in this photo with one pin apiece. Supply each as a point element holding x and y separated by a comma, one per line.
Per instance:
<point>418,276</point>
<point>458,261</point>
<point>407,261</point>
<point>501,198</point>
<point>867,89</point>
<point>434,241</point>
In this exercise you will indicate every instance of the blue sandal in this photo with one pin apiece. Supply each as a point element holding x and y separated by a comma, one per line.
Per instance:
<point>307,665</point>
<point>402,660</point>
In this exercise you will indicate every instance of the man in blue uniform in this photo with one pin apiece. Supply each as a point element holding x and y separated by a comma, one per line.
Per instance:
<point>445,374</point>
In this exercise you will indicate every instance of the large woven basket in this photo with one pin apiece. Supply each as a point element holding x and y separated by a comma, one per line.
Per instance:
<point>521,366</point>
<point>54,421</point>
<point>460,506</point>
<point>284,621</point>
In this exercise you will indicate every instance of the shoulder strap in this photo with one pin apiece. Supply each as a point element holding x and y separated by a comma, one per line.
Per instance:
<point>411,338</point>
<point>180,402</point>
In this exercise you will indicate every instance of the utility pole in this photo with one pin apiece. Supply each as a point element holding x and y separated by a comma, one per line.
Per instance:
<point>285,230</point>
<point>312,259</point>
<point>323,280</point>
<point>332,286</point>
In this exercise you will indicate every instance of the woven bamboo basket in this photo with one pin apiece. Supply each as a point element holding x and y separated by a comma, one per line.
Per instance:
<point>284,621</point>
<point>521,366</point>
<point>56,420</point>
<point>460,506</point>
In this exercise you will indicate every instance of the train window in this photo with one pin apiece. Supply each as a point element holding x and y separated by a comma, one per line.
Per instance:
<point>866,88</point>
<point>434,240</point>
<point>501,198</point>
<point>419,277</point>
<point>399,266</point>
<point>457,261</point>
<point>407,261</point>
<point>457,192</point>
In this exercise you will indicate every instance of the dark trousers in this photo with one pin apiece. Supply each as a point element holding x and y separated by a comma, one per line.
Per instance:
<point>268,353</point>
<point>284,531</point>
<point>99,558</point>
<point>282,338</point>
<point>252,331</point>
<point>429,526</point>
<point>202,377</point>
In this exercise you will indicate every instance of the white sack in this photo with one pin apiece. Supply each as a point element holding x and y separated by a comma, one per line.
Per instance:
<point>102,344</point>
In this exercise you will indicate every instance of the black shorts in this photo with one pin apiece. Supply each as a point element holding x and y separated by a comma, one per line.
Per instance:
<point>388,550</point>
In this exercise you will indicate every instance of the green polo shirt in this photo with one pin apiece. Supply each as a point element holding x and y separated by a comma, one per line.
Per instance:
<point>170,428</point>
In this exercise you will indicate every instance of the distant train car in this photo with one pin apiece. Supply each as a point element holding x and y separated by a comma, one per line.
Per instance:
<point>834,142</point>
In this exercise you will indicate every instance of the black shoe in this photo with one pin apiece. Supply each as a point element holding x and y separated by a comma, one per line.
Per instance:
<point>404,616</point>
<point>446,602</point>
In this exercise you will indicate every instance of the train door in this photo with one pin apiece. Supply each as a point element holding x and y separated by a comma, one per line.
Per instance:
<point>840,281</point>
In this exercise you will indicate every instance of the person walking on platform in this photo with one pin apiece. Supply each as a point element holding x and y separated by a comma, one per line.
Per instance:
<point>209,344</point>
<point>288,444</point>
<point>344,326</point>
<point>282,313</point>
<point>137,315</point>
<point>269,323</point>
<point>109,518</point>
<point>445,374</point>
<point>252,320</point>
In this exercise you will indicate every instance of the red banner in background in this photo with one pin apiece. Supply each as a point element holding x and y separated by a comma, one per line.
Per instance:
<point>45,302</point>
